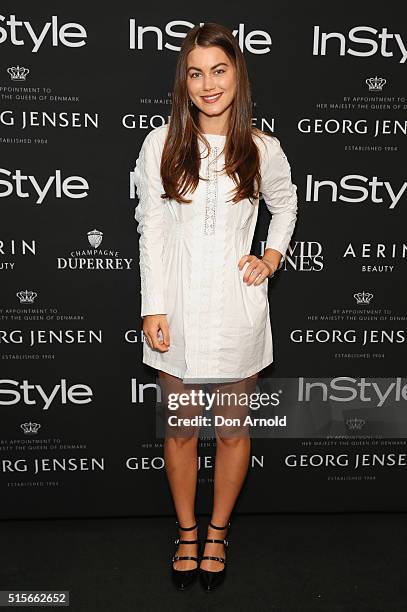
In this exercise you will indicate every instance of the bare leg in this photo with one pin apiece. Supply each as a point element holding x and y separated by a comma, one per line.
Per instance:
<point>231,464</point>
<point>181,464</point>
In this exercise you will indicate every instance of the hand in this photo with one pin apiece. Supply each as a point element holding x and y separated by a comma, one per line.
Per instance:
<point>155,326</point>
<point>257,270</point>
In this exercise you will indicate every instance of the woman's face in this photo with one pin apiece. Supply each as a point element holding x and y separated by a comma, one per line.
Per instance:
<point>211,80</point>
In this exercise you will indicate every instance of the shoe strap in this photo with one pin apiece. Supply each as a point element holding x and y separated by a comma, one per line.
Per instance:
<point>178,541</point>
<point>215,527</point>
<point>220,559</point>
<point>177,558</point>
<point>186,528</point>
<point>210,540</point>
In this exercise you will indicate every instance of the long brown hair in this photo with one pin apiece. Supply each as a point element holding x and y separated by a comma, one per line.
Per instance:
<point>180,161</point>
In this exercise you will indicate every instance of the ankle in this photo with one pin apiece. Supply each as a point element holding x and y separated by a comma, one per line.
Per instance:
<point>218,526</point>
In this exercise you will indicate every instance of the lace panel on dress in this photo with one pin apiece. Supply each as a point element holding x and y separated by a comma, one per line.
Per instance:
<point>211,192</point>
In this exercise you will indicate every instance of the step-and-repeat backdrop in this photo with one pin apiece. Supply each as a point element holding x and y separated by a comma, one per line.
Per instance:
<point>80,89</point>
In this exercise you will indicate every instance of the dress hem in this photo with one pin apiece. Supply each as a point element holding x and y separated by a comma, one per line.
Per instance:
<point>177,372</point>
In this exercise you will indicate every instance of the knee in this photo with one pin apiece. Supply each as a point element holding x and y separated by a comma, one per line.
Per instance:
<point>182,441</point>
<point>240,436</point>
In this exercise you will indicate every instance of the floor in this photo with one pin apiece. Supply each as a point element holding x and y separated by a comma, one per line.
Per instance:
<point>283,563</point>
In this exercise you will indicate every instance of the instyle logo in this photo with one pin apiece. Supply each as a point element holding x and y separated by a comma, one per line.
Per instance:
<point>355,188</point>
<point>257,41</point>
<point>52,34</point>
<point>374,392</point>
<point>23,185</point>
<point>387,45</point>
<point>14,392</point>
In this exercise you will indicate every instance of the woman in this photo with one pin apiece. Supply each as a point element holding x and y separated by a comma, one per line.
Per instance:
<point>204,296</point>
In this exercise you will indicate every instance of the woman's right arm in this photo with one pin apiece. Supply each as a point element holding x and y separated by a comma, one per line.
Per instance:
<point>149,213</point>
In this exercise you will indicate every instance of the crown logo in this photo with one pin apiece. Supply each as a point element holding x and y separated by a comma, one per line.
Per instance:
<point>30,428</point>
<point>95,238</point>
<point>363,298</point>
<point>375,83</point>
<point>26,297</point>
<point>355,423</point>
<point>18,73</point>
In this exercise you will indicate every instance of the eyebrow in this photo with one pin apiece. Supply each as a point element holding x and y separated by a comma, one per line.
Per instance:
<point>195,68</point>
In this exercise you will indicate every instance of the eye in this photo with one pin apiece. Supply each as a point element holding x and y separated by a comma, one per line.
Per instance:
<point>220,70</point>
<point>192,74</point>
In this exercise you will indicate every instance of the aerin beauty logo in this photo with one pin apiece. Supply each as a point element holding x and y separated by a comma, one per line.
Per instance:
<point>376,256</point>
<point>94,258</point>
<point>14,250</point>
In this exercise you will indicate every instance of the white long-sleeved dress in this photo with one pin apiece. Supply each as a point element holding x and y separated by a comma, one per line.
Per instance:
<point>220,329</point>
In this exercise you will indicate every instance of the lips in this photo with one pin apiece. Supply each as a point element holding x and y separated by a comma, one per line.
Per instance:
<point>211,99</point>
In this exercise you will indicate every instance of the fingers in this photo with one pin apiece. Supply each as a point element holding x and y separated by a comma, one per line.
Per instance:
<point>166,332</point>
<point>157,334</point>
<point>243,260</point>
<point>256,272</point>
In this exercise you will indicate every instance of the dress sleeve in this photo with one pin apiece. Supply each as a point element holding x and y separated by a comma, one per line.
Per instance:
<point>149,213</point>
<point>280,196</point>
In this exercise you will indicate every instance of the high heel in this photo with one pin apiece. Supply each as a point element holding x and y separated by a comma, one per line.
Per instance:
<point>211,580</point>
<point>184,578</point>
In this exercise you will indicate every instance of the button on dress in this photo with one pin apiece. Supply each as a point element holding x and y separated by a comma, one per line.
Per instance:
<point>220,329</point>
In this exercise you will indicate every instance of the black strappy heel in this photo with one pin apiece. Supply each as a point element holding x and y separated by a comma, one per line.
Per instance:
<point>211,580</point>
<point>184,578</point>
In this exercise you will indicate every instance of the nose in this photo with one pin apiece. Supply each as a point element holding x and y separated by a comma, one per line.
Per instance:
<point>208,83</point>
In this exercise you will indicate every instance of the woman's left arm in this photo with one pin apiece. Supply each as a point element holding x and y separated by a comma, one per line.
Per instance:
<point>280,196</point>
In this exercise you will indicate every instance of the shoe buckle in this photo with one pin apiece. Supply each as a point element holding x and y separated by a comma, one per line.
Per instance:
<point>176,541</point>
<point>226,542</point>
